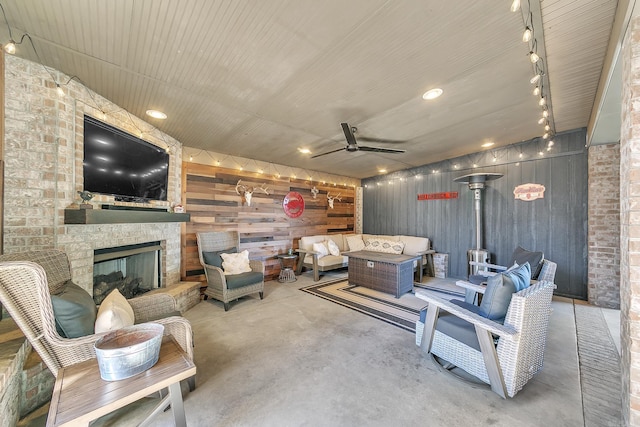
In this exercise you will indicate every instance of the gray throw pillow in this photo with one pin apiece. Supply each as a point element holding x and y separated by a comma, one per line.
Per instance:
<point>74,311</point>
<point>214,258</point>
<point>497,297</point>
<point>521,255</point>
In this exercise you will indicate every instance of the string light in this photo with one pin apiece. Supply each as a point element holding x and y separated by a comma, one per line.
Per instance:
<point>538,78</point>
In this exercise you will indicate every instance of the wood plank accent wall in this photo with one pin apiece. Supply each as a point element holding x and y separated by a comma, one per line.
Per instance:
<point>210,197</point>
<point>556,224</point>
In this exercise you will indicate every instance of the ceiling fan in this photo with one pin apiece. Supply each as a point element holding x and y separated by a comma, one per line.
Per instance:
<point>352,145</point>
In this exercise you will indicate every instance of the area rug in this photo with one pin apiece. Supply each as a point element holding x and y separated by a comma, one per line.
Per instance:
<point>401,312</point>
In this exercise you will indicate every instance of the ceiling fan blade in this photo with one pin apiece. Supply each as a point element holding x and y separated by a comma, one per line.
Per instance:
<point>329,152</point>
<point>348,134</point>
<point>381,150</point>
<point>381,140</point>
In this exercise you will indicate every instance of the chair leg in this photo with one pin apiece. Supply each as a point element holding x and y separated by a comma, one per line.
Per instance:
<point>261,295</point>
<point>226,306</point>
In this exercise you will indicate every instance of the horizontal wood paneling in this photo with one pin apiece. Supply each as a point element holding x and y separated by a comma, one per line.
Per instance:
<point>556,224</point>
<point>209,196</point>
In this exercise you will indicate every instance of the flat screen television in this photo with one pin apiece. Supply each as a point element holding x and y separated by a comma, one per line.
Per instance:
<point>119,164</point>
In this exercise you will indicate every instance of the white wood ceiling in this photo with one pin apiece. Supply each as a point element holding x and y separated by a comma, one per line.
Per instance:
<point>260,79</point>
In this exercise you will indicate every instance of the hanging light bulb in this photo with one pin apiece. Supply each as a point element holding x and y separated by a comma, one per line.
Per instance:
<point>550,144</point>
<point>545,113</point>
<point>536,91</point>
<point>542,101</point>
<point>535,79</point>
<point>515,5</point>
<point>541,120</point>
<point>10,47</point>
<point>547,127</point>
<point>526,36</point>
<point>59,90</point>
<point>520,155</point>
<point>545,136</point>
<point>533,57</point>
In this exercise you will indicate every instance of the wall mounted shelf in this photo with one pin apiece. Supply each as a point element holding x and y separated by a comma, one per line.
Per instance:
<point>106,216</point>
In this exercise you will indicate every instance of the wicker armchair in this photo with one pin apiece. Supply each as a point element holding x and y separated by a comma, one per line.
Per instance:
<point>219,286</point>
<point>521,340</point>
<point>27,281</point>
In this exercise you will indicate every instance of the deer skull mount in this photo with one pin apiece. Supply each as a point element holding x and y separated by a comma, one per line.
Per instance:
<point>247,192</point>
<point>314,192</point>
<point>331,199</point>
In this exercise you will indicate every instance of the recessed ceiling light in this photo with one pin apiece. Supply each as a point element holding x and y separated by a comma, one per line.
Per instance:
<point>432,94</point>
<point>487,144</point>
<point>156,114</point>
<point>304,150</point>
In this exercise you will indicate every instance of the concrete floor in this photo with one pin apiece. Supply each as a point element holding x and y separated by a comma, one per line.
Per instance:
<point>294,359</point>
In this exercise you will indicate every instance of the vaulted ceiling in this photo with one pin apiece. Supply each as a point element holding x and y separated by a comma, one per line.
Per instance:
<point>260,79</point>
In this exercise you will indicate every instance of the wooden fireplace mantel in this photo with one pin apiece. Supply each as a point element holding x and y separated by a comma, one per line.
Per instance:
<point>107,216</point>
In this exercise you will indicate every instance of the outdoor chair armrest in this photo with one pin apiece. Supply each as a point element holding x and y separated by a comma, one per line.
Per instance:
<point>152,306</point>
<point>304,251</point>
<point>180,329</point>
<point>256,265</point>
<point>504,332</point>
<point>425,252</point>
<point>468,285</point>
<point>487,265</point>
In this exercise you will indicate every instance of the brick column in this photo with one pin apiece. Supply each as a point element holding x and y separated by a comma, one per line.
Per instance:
<point>630,225</point>
<point>604,226</point>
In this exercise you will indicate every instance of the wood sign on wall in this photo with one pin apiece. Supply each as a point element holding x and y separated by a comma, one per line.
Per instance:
<point>209,195</point>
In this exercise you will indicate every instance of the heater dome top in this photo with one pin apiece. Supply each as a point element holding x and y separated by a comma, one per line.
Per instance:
<point>474,178</point>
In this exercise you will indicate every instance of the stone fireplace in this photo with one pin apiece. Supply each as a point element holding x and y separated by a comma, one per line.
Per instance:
<point>132,269</point>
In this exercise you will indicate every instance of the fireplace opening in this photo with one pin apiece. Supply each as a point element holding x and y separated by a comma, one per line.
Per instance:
<point>132,269</point>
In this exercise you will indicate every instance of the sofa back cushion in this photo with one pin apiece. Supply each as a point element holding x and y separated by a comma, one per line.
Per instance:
<point>338,239</point>
<point>355,242</point>
<point>307,242</point>
<point>413,244</point>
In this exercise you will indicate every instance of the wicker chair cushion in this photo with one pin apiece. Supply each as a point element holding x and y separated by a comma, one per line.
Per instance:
<point>236,281</point>
<point>521,255</point>
<point>497,297</point>
<point>214,258</point>
<point>114,313</point>
<point>74,311</point>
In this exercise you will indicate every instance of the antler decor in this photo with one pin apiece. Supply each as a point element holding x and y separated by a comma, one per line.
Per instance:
<point>247,192</point>
<point>314,192</point>
<point>331,199</point>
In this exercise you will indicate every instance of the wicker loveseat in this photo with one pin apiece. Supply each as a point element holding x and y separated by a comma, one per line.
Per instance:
<point>310,259</point>
<point>27,281</point>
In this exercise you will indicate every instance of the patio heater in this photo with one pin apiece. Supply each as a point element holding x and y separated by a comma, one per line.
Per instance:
<point>476,182</point>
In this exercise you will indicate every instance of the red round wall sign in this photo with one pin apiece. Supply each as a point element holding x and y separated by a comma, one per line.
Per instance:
<point>293,204</point>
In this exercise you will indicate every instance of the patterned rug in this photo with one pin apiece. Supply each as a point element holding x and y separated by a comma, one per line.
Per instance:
<point>401,312</point>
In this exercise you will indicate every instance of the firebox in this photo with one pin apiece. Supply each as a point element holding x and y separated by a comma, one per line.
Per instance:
<point>132,269</point>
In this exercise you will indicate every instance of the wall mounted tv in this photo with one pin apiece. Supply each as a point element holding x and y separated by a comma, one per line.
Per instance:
<point>119,164</point>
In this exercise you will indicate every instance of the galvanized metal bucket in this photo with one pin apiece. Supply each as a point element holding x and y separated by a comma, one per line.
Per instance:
<point>129,351</point>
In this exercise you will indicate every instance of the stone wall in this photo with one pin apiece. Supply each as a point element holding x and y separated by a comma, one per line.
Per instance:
<point>43,171</point>
<point>604,226</point>
<point>630,226</point>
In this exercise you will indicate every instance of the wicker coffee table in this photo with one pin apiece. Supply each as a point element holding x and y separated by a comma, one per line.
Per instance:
<point>388,273</point>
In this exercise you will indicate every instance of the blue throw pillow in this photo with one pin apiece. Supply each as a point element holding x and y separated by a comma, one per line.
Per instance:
<point>497,297</point>
<point>521,276</point>
<point>74,311</point>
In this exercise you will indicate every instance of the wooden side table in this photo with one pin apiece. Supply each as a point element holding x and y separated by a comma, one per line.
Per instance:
<point>80,395</point>
<point>287,262</point>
